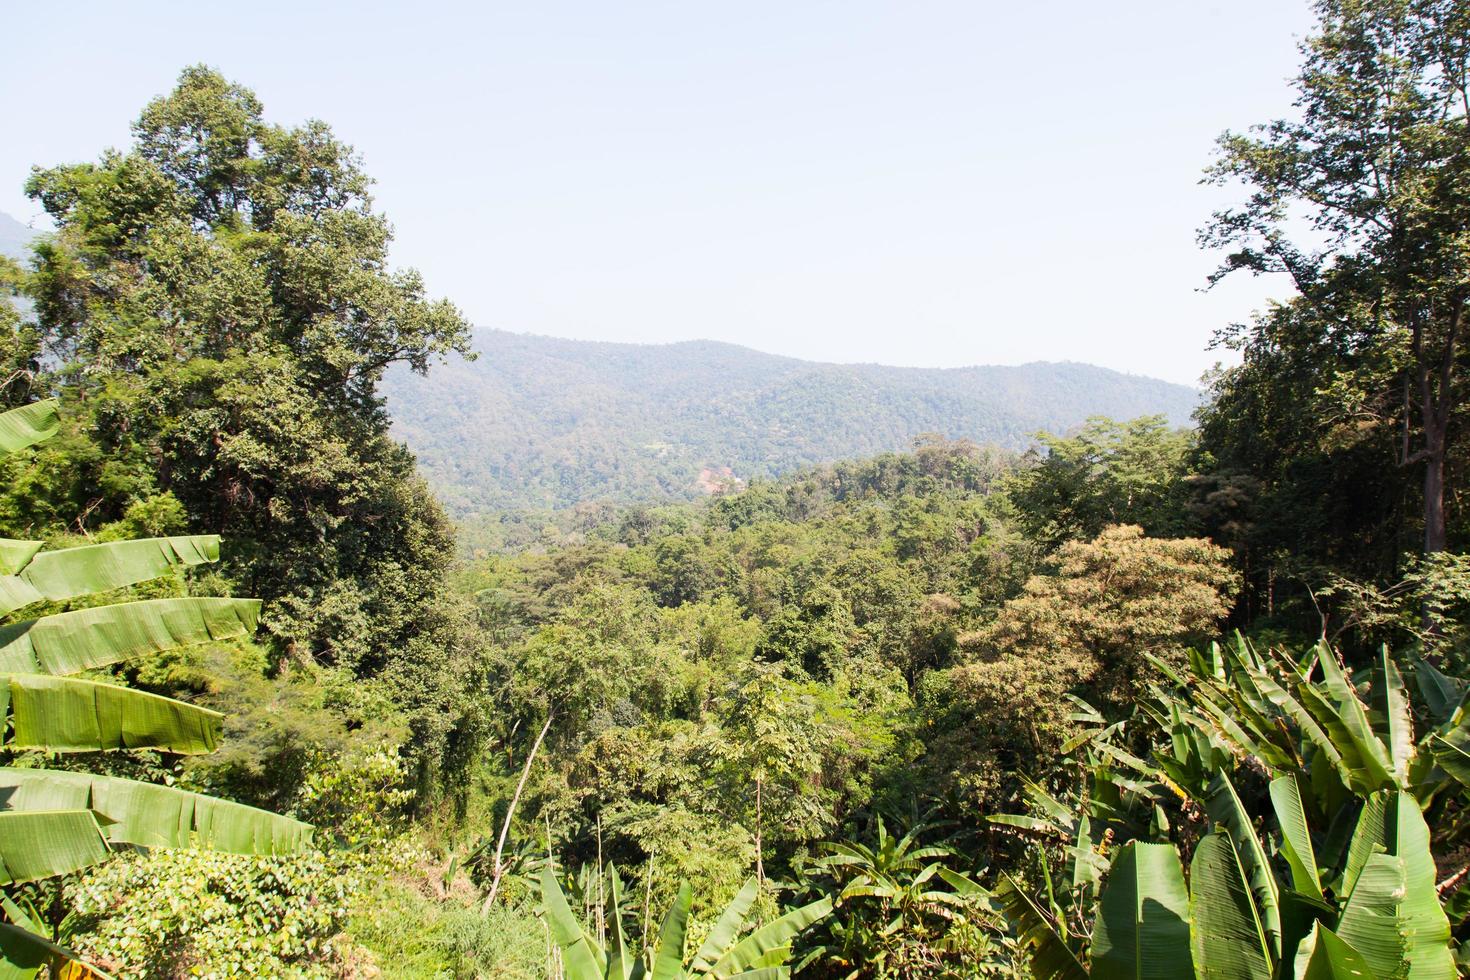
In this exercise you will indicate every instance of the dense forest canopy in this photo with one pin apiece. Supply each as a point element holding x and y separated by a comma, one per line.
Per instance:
<point>1121,698</point>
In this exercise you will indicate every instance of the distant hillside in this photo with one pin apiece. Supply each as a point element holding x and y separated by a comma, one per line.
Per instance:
<point>538,422</point>
<point>13,236</point>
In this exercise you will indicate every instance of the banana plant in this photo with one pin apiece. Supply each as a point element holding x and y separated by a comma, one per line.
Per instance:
<point>1337,878</point>
<point>1306,716</point>
<point>898,902</point>
<point>1369,911</point>
<point>57,822</point>
<point>762,954</point>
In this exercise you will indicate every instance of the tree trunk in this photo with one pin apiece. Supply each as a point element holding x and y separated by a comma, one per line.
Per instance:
<point>1436,413</point>
<point>1434,525</point>
<point>760,870</point>
<point>498,869</point>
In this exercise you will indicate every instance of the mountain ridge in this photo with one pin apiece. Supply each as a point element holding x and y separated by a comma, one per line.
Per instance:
<point>548,422</point>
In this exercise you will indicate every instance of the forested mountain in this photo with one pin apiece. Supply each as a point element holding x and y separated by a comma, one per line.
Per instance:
<point>539,422</point>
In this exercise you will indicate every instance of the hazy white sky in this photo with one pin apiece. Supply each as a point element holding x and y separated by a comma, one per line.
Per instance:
<point>922,183</point>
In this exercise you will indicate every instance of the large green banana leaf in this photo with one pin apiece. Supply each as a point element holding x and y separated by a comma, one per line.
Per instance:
<point>577,960</point>
<point>62,714</point>
<point>621,961</point>
<point>668,962</point>
<point>15,555</point>
<point>1393,916</point>
<point>1227,936</point>
<point>16,592</point>
<point>1296,836</point>
<point>1441,695</point>
<point>1225,809</point>
<point>1050,958</point>
<point>28,425</point>
<point>1371,920</point>
<point>764,946</point>
<point>1314,733</point>
<point>155,816</point>
<point>726,927</point>
<point>1325,956</point>
<point>1452,758</point>
<point>74,641</point>
<point>70,572</point>
<point>1391,718</point>
<point>1346,721</point>
<point>1143,917</point>
<point>46,842</point>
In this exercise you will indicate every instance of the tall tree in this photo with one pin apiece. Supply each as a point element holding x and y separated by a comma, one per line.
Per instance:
<point>1362,199</point>
<point>218,308</point>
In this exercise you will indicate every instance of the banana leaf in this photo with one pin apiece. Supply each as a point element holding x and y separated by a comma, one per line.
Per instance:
<point>1452,758</point>
<point>1391,717</point>
<point>1296,836</point>
<point>576,952</point>
<point>621,962</point>
<point>28,425</point>
<point>62,714</point>
<point>726,927</point>
<point>761,947</point>
<point>43,843</point>
<point>15,593</point>
<point>1142,925</point>
<point>1325,956</point>
<point>1442,695</point>
<point>1050,958</point>
<point>1020,821</point>
<point>1346,720</point>
<point>1299,915</point>
<point>74,641</point>
<point>1393,915</point>
<point>155,816</point>
<point>70,572</point>
<point>1426,926</point>
<point>1369,836</point>
<point>1285,701</point>
<point>1224,807</point>
<point>1227,936</point>
<point>15,555</point>
<point>668,962</point>
<point>1370,920</point>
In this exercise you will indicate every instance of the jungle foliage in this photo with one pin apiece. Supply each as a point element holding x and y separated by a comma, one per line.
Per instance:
<point>1135,701</point>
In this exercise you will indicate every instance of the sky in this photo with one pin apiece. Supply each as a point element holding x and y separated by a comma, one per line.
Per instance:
<point>931,184</point>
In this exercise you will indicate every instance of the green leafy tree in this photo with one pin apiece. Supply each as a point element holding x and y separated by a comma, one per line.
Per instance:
<point>218,309</point>
<point>1109,600</point>
<point>1361,199</point>
<point>1082,630</point>
<point>775,738</point>
<point>1106,473</point>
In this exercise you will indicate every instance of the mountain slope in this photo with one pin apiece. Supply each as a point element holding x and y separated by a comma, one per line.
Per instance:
<point>13,236</point>
<point>542,422</point>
